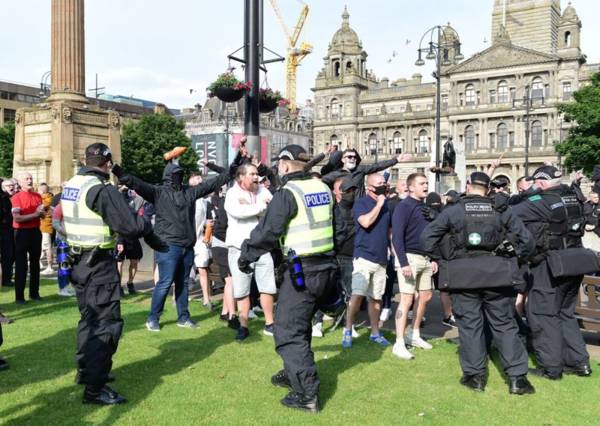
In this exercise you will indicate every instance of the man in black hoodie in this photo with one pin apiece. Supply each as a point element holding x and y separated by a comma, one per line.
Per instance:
<point>175,206</point>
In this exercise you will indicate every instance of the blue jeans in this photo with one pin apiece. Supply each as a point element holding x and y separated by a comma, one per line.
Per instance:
<point>173,266</point>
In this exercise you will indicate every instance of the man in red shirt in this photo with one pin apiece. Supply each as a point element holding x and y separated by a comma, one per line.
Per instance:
<point>27,209</point>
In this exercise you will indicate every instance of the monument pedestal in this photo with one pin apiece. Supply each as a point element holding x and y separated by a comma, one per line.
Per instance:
<point>50,138</point>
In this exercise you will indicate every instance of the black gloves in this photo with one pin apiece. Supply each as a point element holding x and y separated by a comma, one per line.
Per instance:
<point>244,266</point>
<point>118,171</point>
<point>156,243</point>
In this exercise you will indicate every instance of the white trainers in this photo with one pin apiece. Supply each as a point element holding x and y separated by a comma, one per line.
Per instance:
<point>355,334</point>
<point>47,271</point>
<point>385,314</point>
<point>401,352</point>
<point>66,292</point>
<point>251,315</point>
<point>416,341</point>
<point>317,330</point>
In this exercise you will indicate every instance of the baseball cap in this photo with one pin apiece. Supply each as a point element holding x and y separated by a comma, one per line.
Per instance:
<point>479,178</point>
<point>292,152</point>
<point>98,150</point>
<point>499,182</point>
<point>546,173</point>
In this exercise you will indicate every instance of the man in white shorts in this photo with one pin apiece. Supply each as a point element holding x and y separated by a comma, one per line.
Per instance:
<point>245,202</point>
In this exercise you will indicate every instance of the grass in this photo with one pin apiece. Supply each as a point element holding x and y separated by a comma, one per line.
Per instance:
<point>181,376</point>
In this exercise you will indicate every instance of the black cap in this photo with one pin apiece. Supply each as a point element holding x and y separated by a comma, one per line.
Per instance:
<point>433,200</point>
<point>98,150</point>
<point>479,178</point>
<point>499,182</point>
<point>546,173</point>
<point>292,152</point>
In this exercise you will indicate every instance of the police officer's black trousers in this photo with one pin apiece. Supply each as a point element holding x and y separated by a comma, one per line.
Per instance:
<point>293,326</point>
<point>496,308</point>
<point>100,326</point>
<point>7,254</point>
<point>557,339</point>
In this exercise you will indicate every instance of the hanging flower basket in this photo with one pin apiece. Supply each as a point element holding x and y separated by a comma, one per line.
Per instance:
<point>269,100</point>
<point>228,88</point>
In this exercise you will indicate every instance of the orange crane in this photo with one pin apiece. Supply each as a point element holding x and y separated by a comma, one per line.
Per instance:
<point>295,55</point>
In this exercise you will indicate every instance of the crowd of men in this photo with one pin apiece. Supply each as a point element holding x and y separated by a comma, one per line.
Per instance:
<point>299,244</point>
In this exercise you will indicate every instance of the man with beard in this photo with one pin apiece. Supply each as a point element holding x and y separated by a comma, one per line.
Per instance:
<point>175,224</point>
<point>347,165</point>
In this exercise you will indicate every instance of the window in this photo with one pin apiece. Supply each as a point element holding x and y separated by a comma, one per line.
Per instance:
<point>397,143</point>
<point>470,95</point>
<point>336,108</point>
<point>333,140</point>
<point>513,94</point>
<point>9,115</point>
<point>503,92</point>
<point>423,142</point>
<point>566,90</point>
<point>336,69</point>
<point>502,136</point>
<point>444,102</point>
<point>469,139</point>
<point>372,144</point>
<point>568,39</point>
<point>492,96</point>
<point>536,134</point>
<point>537,88</point>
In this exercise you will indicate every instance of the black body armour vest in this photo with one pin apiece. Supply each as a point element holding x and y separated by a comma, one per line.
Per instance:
<point>575,215</point>
<point>481,233</point>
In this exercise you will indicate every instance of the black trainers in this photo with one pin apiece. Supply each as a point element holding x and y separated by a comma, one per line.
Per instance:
<point>268,330</point>
<point>519,385</point>
<point>102,396</point>
<point>301,402</point>
<point>281,379</point>
<point>242,334</point>
<point>477,383</point>
<point>234,323</point>
<point>450,322</point>
<point>121,291</point>
<point>131,289</point>
<point>4,365</point>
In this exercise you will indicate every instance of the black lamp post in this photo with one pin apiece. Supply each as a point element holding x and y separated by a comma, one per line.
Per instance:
<point>442,40</point>
<point>527,102</point>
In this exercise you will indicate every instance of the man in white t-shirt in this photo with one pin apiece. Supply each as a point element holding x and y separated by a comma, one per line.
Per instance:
<point>245,202</point>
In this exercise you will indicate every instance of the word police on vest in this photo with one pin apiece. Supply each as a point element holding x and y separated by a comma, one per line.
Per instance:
<point>316,200</point>
<point>70,194</point>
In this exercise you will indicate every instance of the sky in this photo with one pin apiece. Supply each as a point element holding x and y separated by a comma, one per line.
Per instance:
<point>170,51</point>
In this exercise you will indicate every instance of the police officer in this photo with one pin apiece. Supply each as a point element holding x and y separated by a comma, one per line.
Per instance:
<point>480,281</point>
<point>300,214</point>
<point>94,212</point>
<point>554,214</point>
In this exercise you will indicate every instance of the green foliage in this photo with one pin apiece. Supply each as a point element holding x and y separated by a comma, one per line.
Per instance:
<point>7,147</point>
<point>144,142</point>
<point>582,147</point>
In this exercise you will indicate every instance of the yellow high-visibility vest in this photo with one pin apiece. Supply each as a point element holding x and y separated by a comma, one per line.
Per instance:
<point>84,227</point>
<point>310,232</point>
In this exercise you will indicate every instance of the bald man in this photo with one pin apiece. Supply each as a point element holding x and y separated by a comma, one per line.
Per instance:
<point>27,209</point>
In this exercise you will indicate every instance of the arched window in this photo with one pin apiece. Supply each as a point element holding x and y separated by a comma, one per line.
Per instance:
<point>372,144</point>
<point>503,92</point>
<point>502,136</point>
<point>336,108</point>
<point>396,143</point>
<point>336,68</point>
<point>537,88</point>
<point>333,140</point>
<point>423,142</point>
<point>348,65</point>
<point>536,134</point>
<point>470,94</point>
<point>469,139</point>
<point>568,39</point>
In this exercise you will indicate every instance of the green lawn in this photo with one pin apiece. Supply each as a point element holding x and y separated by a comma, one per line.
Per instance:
<point>181,376</point>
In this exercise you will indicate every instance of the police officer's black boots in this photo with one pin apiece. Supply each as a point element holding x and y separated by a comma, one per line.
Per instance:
<point>583,370</point>
<point>3,365</point>
<point>281,379</point>
<point>131,289</point>
<point>546,374</point>
<point>477,383</point>
<point>103,395</point>
<point>301,402</point>
<point>519,385</point>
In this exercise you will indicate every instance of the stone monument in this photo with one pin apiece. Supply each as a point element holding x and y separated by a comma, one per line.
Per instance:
<point>51,137</point>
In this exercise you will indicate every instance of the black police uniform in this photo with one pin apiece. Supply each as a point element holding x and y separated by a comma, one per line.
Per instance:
<point>557,339</point>
<point>97,286</point>
<point>295,309</point>
<point>470,231</point>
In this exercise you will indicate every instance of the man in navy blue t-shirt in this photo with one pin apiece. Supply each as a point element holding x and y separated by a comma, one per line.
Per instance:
<point>372,219</point>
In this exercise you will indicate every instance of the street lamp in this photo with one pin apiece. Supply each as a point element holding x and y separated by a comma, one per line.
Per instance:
<point>527,102</point>
<point>442,40</point>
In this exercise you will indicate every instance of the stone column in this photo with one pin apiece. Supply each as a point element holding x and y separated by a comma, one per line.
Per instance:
<point>68,50</point>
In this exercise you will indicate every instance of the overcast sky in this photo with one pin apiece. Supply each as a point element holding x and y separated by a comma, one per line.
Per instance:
<point>160,50</point>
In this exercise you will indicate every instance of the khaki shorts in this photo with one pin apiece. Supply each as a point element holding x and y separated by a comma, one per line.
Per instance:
<point>368,279</point>
<point>46,241</point>
<point>421,275</point>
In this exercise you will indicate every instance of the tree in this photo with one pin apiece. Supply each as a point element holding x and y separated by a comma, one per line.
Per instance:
<point>7,148</point>
<point>581,148</point>
<point>144,142</point>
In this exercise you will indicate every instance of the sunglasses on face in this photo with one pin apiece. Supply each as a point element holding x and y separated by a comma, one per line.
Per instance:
<point>350,157</point>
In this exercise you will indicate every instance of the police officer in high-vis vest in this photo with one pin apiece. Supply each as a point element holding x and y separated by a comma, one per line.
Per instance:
<point>553,213</point>
<point>299,219</point>
<point>94,212</point>
<point>480,272</point>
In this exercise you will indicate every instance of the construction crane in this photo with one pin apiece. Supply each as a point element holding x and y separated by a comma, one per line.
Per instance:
<point>295,55</point>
